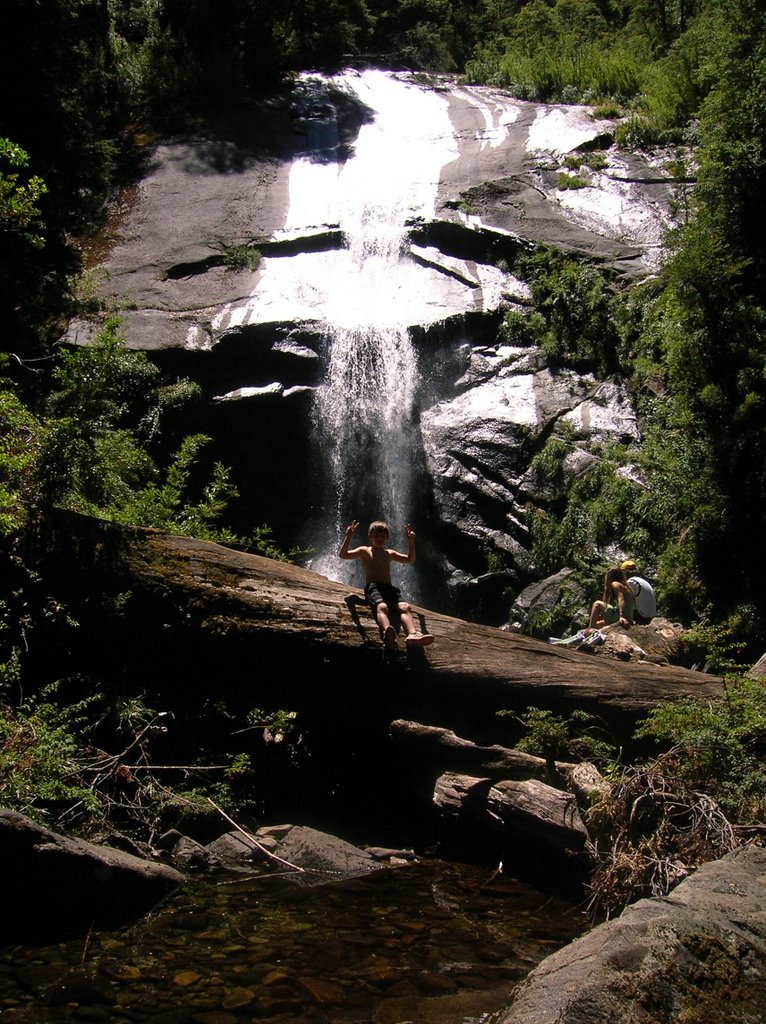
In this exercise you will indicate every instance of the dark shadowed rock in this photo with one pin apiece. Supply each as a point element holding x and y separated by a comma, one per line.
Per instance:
<point>558,599</point>
<point>190,856</point>
<point>698,954</point>
<point>54,886</point>
<point>235,850</point>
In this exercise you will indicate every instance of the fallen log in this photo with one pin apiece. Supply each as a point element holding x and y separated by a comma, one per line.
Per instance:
<point>538,810</point>
<point>275,635</point>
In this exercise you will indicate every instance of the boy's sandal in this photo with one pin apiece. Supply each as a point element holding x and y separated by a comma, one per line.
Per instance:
<point>389,637</point>
<point>419,640</point>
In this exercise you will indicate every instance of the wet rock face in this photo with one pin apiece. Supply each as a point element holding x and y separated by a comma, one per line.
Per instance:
<point>475,176</point>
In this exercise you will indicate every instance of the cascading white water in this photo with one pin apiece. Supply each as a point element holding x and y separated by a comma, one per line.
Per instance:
<point>364,407</point>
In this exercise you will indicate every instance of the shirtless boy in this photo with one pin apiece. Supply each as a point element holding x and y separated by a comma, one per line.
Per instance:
<point>381,594</point>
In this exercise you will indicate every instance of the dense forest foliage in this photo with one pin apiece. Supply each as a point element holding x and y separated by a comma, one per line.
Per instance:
<point>87,82</point>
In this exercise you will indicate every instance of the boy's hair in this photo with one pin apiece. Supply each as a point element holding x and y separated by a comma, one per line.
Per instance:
<point>378,524</point>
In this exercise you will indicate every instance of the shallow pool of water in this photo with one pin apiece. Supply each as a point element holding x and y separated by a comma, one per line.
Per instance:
<point>431,943</point>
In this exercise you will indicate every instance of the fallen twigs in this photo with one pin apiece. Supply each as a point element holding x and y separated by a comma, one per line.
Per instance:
<point>259,846</point>
<point>648,833</point>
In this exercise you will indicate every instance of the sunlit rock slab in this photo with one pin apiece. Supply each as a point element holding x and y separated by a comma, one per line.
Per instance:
<point>475,442</point>
<point>511,154</point>
<point>312,165</point>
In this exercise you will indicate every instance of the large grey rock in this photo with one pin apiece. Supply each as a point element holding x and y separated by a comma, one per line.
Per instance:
<point>477,447</point>
<point>558,600</point>
<point>698,954</point>
<point>230,185</point>
<point>55,886</point>
<point>320,855</point>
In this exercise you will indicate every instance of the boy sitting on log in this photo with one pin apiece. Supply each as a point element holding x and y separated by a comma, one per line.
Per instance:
<point>382,596</point>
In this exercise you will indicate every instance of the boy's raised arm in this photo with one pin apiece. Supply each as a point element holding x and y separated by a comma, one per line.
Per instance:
<point>343,551</point>
<point>409,558</point>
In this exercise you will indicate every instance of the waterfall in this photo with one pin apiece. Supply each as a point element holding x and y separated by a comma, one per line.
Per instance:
<point>364,408</point>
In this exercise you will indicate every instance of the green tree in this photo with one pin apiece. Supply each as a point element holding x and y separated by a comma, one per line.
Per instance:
<point>19,199</point>
<point>57,81</point>
<point>708,324</point>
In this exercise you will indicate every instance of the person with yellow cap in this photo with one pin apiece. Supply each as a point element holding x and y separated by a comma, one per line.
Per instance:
<point>643,592</point>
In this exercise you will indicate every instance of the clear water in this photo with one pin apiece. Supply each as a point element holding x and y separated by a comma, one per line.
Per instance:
<point>431,943</point>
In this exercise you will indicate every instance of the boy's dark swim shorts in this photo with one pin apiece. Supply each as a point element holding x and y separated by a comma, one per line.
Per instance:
<point>387,593</point>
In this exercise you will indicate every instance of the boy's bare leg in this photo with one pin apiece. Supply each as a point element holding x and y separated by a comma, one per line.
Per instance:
<point>388,631</point>
<point>407,620</point>
<point>414,637</point>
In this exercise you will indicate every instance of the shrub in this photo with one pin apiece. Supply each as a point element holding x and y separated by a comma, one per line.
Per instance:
<point>718,746</point>
<point>569,181</point>
<point>637,133</point>
<point>20,434</point>
<point>576,738</point>
<point>241,257</point>
<point>547,465</point>
<point>38,743</point>
<point>608,111</point>
<point>576,304</point>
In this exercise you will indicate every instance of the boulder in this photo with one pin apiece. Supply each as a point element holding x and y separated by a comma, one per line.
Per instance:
<point>56,886</point>
<point>320,856</point>
<point>235,851</point>
<point>697,954</point>
<point>192,857</point>
<point>283,848</point>
<point>660,641</point>
<point>558,601</point>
